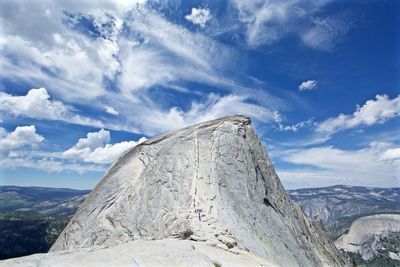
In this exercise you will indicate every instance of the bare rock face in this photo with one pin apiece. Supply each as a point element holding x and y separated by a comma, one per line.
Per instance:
<point>212,182</point>
<point>365,234</point>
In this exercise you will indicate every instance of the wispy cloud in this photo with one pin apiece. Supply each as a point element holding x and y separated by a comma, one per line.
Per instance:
<point>374,111</point>
<point>65,63</point>
<point>267,22</point>
<point>264,20</point>
<point>41,48</point>
<point>295,127</point>
<point>326,32</point>
<point>327,165</point>
<point>50,165</point>
<point>130,46</point>
<point>214,107</point>
<point>164,52</point>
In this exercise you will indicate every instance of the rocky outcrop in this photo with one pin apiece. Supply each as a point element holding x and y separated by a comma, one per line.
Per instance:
<point>213,183</point>
<point>366,234</point>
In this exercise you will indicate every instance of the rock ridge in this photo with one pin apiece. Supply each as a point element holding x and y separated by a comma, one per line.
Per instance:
<point>212,182</point>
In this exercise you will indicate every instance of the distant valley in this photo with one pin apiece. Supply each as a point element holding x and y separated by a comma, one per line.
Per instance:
<point>31,218</point>
<point>341,208</point>
<point>328,204</point>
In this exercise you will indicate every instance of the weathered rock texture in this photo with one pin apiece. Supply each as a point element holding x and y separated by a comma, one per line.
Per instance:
<point>365,234</point>
<point>212,182</point>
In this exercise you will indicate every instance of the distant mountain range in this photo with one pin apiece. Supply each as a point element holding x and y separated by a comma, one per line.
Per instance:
<point>31,218</point>
<point>43,200</point>
<point>329,204</point>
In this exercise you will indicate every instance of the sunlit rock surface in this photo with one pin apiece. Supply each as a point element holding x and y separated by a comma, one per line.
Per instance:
<point>166,252</point>
<point>212,183</point>
<point>365,234</point>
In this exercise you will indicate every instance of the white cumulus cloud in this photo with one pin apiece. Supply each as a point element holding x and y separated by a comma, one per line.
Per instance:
<point>95,148</point>
<point>111,110</point>
<point>94,140</point>
<point>37,104</point>
<point>372,112</point>
<point>88,154</point>
<point>308,85</point>
<point>199,16</point>
<point>21,137</point>
<point>392,154</point>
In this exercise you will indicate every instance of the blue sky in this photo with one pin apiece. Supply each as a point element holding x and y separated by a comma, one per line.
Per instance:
<point>82,81</point>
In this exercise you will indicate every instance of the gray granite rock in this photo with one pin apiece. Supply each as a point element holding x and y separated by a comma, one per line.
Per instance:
<point>213,183</point>
<point>365,234</point>
<point>144,253</point>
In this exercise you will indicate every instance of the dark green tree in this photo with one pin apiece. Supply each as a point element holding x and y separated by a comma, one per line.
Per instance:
<point>354,263</point>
